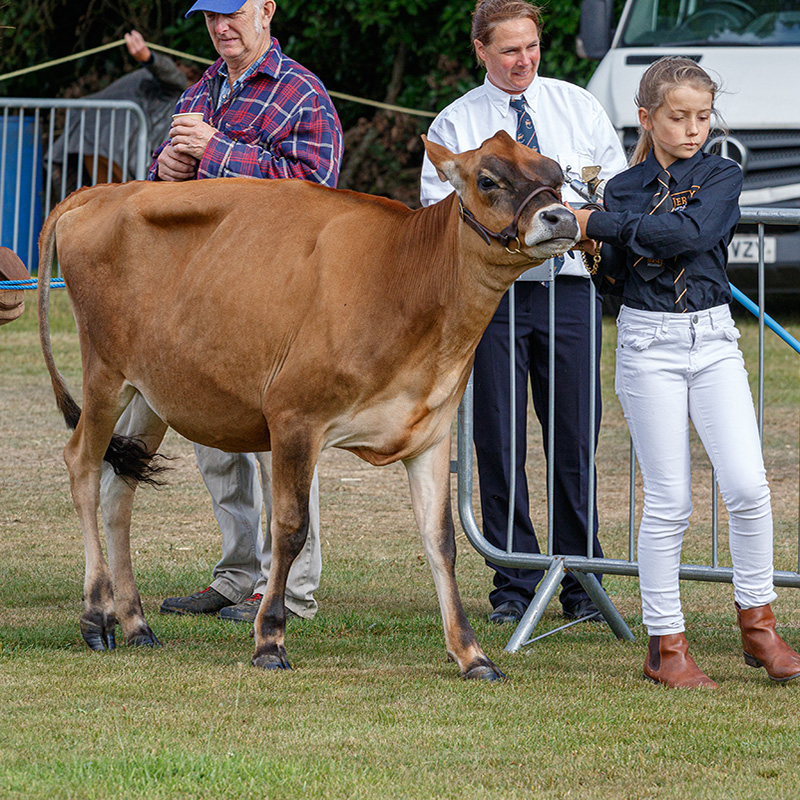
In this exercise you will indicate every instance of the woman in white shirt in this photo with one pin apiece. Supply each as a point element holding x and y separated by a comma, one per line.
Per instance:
<point>571,128</point>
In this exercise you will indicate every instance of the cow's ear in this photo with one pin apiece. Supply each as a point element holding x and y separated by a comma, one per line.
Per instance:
<point>443,160</point>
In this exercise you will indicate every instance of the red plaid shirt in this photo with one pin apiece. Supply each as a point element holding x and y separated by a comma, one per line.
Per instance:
<point>281,123</point>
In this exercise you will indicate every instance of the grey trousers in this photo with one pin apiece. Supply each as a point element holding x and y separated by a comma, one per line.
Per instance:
<point>233,482</point>
<point>236,496</point>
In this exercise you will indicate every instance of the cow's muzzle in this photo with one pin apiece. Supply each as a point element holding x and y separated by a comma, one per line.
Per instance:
<point>510,234</point>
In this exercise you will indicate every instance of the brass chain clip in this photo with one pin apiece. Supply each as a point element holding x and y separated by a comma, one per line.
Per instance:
<point>595,264</point>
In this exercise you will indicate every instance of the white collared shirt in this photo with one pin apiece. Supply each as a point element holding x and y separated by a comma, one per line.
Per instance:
<point>571,126</point>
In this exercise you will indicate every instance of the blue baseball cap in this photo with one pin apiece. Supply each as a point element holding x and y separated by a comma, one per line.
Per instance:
<point>216,6</point>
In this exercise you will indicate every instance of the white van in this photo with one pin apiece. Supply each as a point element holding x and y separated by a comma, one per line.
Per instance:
<point>752,48</point>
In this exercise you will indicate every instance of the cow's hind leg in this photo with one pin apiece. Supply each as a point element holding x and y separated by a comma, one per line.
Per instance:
<point>293,462</point>
<point>140,422</point>
<point>429,479</point>
<point>84,456</point>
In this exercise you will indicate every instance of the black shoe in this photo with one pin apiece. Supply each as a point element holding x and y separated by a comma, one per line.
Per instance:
<point>510,611</point>
<point>206,601</point>
<point>246,610</point>
<point>584,609</point>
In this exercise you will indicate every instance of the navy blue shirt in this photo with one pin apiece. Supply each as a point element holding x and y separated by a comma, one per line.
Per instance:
<point>694,235</point>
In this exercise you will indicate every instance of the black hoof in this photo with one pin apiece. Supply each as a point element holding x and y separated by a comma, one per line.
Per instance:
<point>269,661</point>
<point>98,632</point>
<point>145,638</point>
<point>484,672</point>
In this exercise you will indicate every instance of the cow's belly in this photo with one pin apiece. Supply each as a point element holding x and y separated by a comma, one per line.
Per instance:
<point>234,427</point>
<point>392,430</point>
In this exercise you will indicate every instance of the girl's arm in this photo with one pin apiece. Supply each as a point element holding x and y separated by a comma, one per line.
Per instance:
<point>709,215</point>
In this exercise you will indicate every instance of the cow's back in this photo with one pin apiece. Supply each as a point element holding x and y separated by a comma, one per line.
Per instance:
<point>232,295</point>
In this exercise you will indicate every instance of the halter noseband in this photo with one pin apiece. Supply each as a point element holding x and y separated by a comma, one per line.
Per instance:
<point>510,233</point>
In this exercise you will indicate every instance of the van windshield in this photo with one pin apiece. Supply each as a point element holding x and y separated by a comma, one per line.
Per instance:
<point>712,22</point>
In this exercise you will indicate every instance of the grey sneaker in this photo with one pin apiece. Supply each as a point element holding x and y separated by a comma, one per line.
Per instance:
<point>243,612</point>
<point>206,601</point>
<point>246,610</point>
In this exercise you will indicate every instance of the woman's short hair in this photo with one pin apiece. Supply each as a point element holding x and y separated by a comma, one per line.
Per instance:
<point>488,14</point>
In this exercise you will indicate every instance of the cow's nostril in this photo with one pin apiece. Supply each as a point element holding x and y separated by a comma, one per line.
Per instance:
<point>556,215</point>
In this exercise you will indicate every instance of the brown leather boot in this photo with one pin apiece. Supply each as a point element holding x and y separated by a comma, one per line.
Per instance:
<point>763,647</point>
<point>668,662</point>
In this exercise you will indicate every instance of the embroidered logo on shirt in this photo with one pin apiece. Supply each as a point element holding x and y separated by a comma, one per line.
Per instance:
<point>681,199</point>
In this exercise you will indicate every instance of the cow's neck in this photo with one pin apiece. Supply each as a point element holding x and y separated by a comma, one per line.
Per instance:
<point>452,279</point>
<point>478,275</point>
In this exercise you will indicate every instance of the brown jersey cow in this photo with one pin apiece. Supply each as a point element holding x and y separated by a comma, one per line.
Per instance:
<point>286,316</point>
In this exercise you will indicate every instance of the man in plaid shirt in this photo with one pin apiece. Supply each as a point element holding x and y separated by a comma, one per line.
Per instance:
<point>264,116</point>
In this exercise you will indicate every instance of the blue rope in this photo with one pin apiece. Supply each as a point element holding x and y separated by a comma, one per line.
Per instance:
<point>31,283</point>
<point>738,295</point>
<point>787,337</point>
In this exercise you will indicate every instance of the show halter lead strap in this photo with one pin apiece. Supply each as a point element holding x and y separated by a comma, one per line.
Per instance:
<point>660,204</point>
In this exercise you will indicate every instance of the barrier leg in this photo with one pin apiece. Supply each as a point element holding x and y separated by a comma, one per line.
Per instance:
<point>544,594</point>
<point>604,604</point>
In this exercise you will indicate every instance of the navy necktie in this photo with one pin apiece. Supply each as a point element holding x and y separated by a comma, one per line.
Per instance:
<point>526,133</point>
<point>660,204</point>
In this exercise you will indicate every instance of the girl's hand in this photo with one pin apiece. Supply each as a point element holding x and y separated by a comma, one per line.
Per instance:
<point>582,216</point>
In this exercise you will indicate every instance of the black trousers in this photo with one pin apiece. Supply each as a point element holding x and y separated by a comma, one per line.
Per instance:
<point>572,441</point>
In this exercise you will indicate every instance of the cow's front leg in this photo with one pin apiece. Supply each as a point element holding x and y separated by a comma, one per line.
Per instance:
<point>138,421</point>
<point>293,462</point>
<point>429,479</point>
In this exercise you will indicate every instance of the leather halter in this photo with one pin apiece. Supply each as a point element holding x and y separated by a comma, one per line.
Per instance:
<point>511,232</point>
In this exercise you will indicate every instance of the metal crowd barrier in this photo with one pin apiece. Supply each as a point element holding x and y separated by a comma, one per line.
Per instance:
<point>49,148</point>
<point>585,567</point>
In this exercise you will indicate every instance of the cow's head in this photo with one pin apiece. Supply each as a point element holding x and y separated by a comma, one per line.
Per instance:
<point>512,192</point>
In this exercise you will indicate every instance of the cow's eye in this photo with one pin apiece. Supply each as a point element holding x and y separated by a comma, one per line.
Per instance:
<point>486,183</point>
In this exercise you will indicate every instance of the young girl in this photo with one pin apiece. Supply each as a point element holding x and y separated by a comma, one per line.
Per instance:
<point>669,221</point>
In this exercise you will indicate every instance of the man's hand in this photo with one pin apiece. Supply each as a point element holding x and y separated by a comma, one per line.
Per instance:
<point>191,136</point>
<point>137,47</point>
<point>175,166</point>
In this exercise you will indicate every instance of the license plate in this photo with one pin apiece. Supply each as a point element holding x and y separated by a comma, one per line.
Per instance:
<point>744,250</point>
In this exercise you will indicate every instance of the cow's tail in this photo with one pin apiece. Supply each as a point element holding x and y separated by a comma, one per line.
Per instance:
<point>127,455</point>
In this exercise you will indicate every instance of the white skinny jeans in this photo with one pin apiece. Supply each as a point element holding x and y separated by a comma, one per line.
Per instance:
<point>672,368</point>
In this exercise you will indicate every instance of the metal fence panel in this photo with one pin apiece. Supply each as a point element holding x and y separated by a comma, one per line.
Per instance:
<point>49,148</point>
<point>584,567</point>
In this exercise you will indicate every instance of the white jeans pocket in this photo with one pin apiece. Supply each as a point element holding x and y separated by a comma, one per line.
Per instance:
<point>731,332</point>
<point>635,338</point>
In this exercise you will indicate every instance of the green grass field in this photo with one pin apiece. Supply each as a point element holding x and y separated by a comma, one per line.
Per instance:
<point>372,709</point>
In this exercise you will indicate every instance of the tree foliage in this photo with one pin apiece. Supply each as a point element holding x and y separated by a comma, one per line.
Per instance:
<point>414,53</point>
